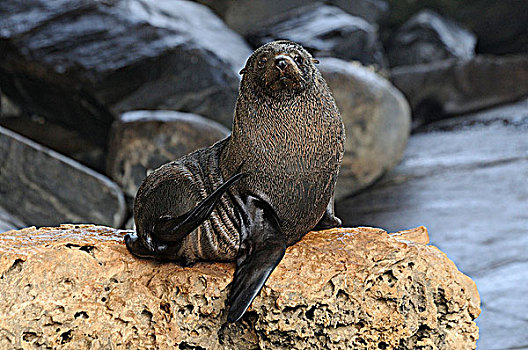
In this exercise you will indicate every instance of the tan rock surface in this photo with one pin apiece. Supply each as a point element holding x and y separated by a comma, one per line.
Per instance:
<point>77,287</point>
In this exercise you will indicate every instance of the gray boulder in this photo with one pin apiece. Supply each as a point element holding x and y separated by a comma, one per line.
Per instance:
<point>58,138</point>
<point>82,62</point>
<point>451,87</point>
<point>144,140</point>
<point>42,187</point>
<point>130,224</point>
<point>428,37</point>
<point>500,26</point>
<point>8,221</point>
<point>377,120</point>
<point>325,31</point>
<point>7,108</point>
<point>373,11</point>
<point>246,16</point>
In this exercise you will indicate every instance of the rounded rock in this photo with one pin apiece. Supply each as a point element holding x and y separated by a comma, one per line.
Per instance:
<point>141,141</point>
<point>377,122</point>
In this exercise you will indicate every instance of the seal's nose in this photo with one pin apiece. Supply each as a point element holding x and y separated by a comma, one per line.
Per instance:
<point>281,63</point>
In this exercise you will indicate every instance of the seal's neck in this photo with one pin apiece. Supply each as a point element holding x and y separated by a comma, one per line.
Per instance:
<point>268,130</point>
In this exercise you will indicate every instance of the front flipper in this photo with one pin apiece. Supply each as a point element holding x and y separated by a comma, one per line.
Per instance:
<point>171,229</point>
<point>329,220</point>
<point>262,249</point>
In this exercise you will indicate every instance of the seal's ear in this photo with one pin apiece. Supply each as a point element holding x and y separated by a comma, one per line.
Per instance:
<point>243,71</point>
<point>315,61</point>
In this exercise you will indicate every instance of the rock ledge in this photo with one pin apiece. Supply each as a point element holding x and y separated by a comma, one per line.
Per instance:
<point>77,287</point>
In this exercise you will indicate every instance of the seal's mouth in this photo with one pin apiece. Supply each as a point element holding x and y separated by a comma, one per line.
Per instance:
<point>283,73</point>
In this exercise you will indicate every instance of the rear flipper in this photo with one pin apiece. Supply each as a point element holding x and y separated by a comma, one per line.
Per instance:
<point>329,220</point>
<point>164,237</point>
<point>171,229</point>
<point>261,250</point>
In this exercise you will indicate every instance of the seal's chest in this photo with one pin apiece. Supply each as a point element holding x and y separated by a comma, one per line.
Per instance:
<point>300,159</point>
<point>293,147</point>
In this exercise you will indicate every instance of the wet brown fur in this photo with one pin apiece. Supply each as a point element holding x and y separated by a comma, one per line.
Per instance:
<point>287,135</point>
<point>291,140</point>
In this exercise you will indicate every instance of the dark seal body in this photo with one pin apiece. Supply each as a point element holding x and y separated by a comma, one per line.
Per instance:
<point>250,195</point>
<point>292,148</point>
<point>179,186</point>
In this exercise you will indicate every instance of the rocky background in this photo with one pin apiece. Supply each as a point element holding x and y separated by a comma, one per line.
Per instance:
<point>94,94</point>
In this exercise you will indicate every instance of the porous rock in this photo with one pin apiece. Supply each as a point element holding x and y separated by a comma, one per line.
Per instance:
<point>142,141</point>
<point>458,86</point>
<point>82,62</point>
<point>377,123</point>
<point>42,187</point>
<point>325,31</point>
<point>428,37</point>
<point>361,288</point>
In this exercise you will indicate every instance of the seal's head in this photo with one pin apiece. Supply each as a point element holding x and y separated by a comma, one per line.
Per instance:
<point>279,67</point>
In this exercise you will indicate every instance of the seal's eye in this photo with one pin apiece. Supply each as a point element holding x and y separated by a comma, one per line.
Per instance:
<point>299,59</point>
<point>262,62</point>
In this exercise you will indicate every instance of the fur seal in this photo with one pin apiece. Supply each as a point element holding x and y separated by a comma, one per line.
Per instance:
<point>250,195</point>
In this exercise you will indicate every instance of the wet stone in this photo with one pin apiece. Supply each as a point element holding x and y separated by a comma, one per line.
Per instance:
<point>8,221</point>
<point>428,37</point>
<point>42,187</point>
<point>68,142</point>
<point>377,121</point>
<point>451,87</point>
<point>81,63</point>
<point>144,140</point>
<point>245,16</point>
<point>325,31</point>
